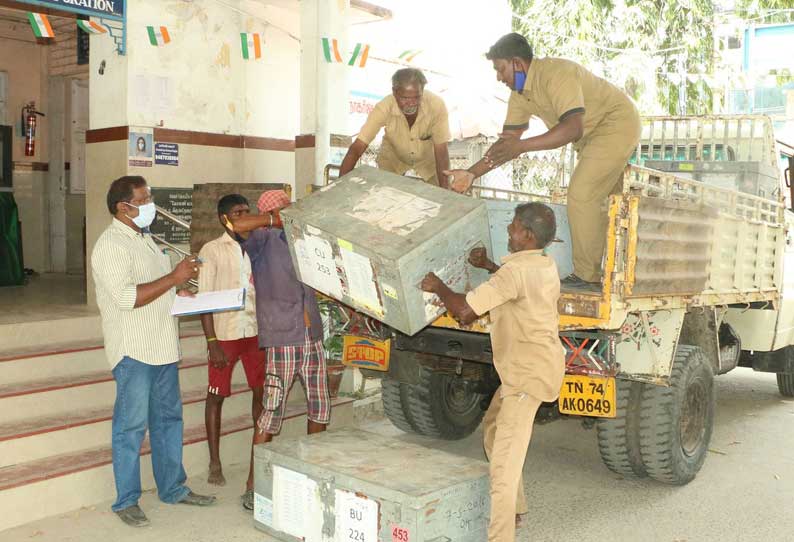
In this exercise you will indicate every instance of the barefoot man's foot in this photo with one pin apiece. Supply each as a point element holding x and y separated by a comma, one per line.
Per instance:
<point>216,476</point>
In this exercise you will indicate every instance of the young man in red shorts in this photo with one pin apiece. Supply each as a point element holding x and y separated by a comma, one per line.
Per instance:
<point>231,335</point>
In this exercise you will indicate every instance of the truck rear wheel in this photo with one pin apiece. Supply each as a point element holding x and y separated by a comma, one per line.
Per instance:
<point>619,437</point>
<point>785,384</point>
<point>444,406</point>
<point>392,396</point>
<point>441,405</point>
<point>676,421</point>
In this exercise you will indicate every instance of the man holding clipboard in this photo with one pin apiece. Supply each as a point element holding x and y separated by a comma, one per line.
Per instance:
<point>231,335</point>
<point>135,288</point>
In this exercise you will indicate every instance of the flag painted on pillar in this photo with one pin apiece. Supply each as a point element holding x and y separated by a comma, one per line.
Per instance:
<point>359,56</point>
<point>331,50</point>
<point>410,54</point>
<point>252,45</point>
<point>40,25</point>
<point>158,35</point>
<point>90,27</point>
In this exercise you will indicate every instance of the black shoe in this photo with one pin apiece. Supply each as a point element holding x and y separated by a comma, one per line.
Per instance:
<point>133,516</point>
<point>576,282</point>
<point>247,499</point>
<point>198,500</point>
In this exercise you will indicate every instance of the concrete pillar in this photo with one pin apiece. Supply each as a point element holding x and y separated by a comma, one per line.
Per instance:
<point>56,180</point>
<point>324,88</point>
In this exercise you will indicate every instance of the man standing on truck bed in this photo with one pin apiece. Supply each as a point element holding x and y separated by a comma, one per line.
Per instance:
<point>577,107</point>
<point>416,131</point>
<point>521,297</point>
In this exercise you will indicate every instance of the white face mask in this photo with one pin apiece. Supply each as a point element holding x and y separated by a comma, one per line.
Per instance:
<point>146,214</point>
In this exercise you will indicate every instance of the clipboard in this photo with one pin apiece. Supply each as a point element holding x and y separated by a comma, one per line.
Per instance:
<point>209,302</point>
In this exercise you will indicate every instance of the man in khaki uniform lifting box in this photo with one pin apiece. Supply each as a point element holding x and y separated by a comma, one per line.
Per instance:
<point>521,297</point>
<point>576,106</point>
<point>416,131</point>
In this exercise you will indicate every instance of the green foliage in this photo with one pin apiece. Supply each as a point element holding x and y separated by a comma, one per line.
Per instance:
<point>636,44</point>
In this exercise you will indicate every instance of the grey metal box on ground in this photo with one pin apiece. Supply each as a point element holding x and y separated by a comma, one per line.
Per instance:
<point>368,239</point>
<point>356,486</point>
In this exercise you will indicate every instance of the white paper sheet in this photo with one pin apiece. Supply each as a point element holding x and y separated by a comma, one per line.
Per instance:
<point>360,282</point>
<point>263,510</point>
<point>356,518</point>
<point>395,211</point>
<point>289,501</point>
<point>317,265</point>
<point>222,300</point>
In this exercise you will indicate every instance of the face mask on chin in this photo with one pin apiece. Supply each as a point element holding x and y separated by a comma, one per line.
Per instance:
<point>146,214</point>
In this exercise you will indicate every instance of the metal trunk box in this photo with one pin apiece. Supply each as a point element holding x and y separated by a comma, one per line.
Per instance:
<point>356,486</point>
<point>756,178</point>
<point>369,238</point>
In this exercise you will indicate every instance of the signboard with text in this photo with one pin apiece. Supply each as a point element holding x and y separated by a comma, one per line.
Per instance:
<point>179,202</point>
<point>113,9</point>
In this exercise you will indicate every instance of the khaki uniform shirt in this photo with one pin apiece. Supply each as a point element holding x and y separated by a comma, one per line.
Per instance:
<point>121,260</point>
<point>225,266</point>
<point>557,88</point>
<point>405,148</point>
<point>522,299</point>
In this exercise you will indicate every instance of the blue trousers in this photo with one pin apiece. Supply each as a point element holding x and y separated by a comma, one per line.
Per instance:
<point>147,396</point>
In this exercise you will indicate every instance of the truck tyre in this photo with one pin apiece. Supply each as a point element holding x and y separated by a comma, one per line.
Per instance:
<point>392,394</point>
<point>785,384</point>
<point>619,437</point>
<point>677,421</point>
<point>443,406</point>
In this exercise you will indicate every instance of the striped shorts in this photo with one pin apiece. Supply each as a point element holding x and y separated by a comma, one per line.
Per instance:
<point>284,363</point>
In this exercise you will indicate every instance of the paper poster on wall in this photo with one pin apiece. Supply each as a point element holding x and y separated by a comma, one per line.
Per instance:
<point>166,154</point>
<point>140,143</point>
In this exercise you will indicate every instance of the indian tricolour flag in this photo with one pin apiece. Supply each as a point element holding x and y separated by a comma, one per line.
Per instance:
<point>252,45</point>
<point>90,27</point>
<point>41,25</point>
<point>410,54</point>
<point>158,35</point>
<point>331,50</point>
<point>359,56</point>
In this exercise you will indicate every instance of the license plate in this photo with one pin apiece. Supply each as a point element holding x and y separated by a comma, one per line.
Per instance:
<point>366,353</point>
<point>588,396</point>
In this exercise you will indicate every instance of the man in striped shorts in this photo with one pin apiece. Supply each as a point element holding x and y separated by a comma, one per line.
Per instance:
<point>290,327</point>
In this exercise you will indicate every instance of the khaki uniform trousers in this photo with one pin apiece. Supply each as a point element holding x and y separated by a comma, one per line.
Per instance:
<point>597,175</point>
<point>507,428</point>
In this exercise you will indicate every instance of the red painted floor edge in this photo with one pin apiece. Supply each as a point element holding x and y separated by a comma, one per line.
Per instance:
<point>107,378</point>
<point>89,421</point>
<point>71,350</point>
<point>147,450</point>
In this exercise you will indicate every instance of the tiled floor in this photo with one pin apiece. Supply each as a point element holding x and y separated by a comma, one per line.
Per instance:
<point>50,296</point>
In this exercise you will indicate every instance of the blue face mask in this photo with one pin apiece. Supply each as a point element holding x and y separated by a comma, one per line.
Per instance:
<point>146,214</point>
<point>519,78</point>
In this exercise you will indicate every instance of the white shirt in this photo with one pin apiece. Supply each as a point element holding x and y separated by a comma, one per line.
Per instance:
<point>121,260</point>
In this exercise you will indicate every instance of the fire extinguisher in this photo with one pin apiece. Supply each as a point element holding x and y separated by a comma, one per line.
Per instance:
<point>29,121</point>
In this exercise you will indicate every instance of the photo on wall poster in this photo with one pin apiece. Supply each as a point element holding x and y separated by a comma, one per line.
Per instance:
<point>141,147</point>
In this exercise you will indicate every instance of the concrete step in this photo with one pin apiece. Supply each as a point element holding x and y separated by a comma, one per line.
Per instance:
<point>31,335</point>
<point>66,359</point>
<point>58,484</point>
<point>35,438</point>
<point>54,396</point>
